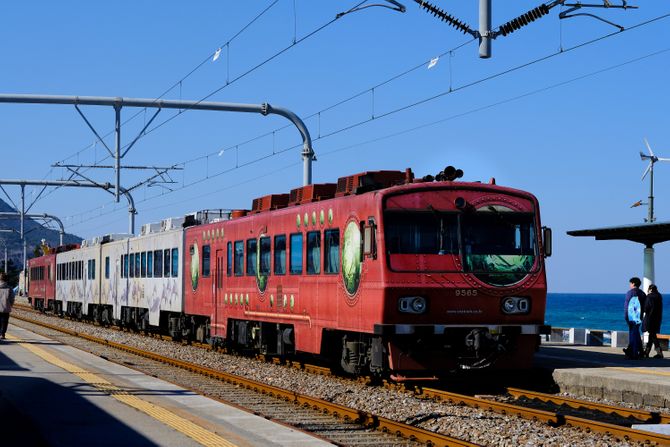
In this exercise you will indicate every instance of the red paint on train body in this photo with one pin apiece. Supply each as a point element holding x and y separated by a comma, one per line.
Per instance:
<point>42,280</point>
<point>409,278</point>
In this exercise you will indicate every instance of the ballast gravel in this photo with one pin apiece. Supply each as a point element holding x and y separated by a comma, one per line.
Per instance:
<point>477,426</point>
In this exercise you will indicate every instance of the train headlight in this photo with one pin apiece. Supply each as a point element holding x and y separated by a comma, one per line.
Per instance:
<point>516,305</point>
<point>412,304</point>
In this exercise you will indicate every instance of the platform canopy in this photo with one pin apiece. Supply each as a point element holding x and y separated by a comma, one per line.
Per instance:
<point>647,234</point>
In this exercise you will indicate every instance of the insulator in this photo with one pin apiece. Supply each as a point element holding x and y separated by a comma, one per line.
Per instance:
<point>447,18</point>
<point>523,19</point>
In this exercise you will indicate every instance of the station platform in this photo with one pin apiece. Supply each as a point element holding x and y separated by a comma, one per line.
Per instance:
<point>56,395</point>
<point>604,372</point>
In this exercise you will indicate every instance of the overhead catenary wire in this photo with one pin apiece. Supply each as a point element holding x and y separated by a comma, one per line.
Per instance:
<point>441,94</point>
<point>228,81</point>
<point>451,117</point>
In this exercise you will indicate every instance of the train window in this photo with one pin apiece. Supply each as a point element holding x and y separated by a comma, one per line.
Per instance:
<point>143,264</point>
<point>93,269</point>
<point>239,258</point>
<point>158,263</point>
<point>166,263</point>
<point>229,258</point>
<point>138,265</point>
<point>175,262</point>
<point>125,265</point>
<point>205,260</point>
<point>331,253</point>
<point>132,265</point>
<point>421,233</point>
<point>150,264</point>
<point>107,267</point>
<point>266,256</point>
<point>280,254</point>
<point>313,252</point>
<point>296,254</point>
<point>89,269</point>
<point>252,256</point>
<point>81,270</point>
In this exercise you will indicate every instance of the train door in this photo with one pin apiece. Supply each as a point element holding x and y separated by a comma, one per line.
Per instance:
<point>218,287</point>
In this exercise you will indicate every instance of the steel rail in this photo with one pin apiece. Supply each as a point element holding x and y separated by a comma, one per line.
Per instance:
<point>361,417</point>
<point>551,418</point>
<point>653,417</point>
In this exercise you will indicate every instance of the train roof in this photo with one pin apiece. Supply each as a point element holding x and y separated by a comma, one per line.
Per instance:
<point>356,184</point>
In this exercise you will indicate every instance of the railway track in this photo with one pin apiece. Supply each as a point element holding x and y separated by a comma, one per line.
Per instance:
<point>554,411</point>
<point>336,423</point>
<point>591,421</point>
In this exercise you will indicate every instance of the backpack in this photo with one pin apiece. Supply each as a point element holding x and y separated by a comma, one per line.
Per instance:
<point>634,311</point>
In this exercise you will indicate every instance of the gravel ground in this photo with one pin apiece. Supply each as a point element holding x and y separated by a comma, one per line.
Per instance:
<point>477,426</point>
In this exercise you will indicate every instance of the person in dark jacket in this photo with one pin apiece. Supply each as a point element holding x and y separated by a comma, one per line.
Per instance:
<point>653,315</point>
<point>633,307</point>
<point>6,302</point>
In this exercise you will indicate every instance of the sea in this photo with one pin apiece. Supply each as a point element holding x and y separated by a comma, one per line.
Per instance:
<point>602,311</point>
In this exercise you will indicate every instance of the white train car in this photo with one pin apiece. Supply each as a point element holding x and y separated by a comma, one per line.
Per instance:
<point>144,278</point>
<point>78,279</point>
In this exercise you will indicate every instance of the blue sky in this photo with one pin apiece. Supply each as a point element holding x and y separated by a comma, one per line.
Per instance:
<point>566,126</point>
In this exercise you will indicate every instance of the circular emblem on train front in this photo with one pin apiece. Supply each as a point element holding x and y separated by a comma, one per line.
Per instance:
<point>351,258</point>
<point>195,267</point>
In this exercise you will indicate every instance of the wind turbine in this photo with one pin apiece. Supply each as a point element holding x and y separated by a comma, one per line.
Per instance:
<point>649,249</point>
<point>650,170</point>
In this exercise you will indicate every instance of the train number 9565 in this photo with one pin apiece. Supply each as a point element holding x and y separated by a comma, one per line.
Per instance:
<point>466,292</point>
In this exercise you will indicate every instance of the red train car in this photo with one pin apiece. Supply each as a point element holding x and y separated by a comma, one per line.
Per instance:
<point>381,273</point>
<point>42,278</point>
<point>41,281</point>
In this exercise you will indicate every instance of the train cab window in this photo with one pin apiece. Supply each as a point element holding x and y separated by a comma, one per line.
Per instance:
<point>166,263</point>
<point>313,252</point>
<point>107,267</point>
<point>158,263</point>
<point>132,265</point>
<point>331,251</point>
<point>143,264</point>
<point>296,254</point>
<point>421,233</point>
<point>150,264</point>
<point>205,260</point>
<point>239,258</point>
<point>229,258</point>
<point>266,255</point>
<point>280,255</point>
<point>175,262</point>
<point>252,256</point>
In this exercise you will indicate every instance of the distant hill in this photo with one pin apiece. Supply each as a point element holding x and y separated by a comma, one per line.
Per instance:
<point>34,232</point>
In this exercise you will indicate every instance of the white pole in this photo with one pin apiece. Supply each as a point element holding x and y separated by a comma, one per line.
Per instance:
<point>648,268</point>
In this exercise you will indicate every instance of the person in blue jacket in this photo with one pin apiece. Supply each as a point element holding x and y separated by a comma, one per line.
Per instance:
<point>633,305</point>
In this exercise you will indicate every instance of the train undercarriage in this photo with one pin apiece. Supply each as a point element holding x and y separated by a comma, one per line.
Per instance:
<point>421,354</point>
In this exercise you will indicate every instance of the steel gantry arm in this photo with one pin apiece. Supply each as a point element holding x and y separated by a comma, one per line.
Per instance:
<point>118,103</point>
<point>44,216</point>
<point>68,183</point>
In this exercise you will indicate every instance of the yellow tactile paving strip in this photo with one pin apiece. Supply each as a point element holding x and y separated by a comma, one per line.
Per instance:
<point>188,428</point>
<point>652,372</point>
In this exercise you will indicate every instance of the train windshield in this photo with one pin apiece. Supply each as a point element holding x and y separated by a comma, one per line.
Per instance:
<point>498,246</point>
